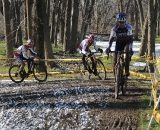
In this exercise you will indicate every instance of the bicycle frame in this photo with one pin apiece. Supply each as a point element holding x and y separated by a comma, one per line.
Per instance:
<point>37,70</point>
<point>100,68</point>
<point>120,78</point>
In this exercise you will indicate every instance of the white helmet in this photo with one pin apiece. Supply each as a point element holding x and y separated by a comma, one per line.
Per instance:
<point>121,17</point>
<point>30,41</point>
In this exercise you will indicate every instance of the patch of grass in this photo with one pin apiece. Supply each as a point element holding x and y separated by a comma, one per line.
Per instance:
<point>2,49</point>
<point>145,115</point>
<point>158,39</point>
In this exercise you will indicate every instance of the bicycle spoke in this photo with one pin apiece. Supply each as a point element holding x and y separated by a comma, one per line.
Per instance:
<point>14,74</point>
<point>101,70</point>
<point>40,73</point>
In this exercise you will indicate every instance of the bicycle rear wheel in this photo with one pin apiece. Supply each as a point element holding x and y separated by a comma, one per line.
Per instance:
<point>39,72</point>
<point>14,74</point>
<point>117,80</point>
<point>101,70</point>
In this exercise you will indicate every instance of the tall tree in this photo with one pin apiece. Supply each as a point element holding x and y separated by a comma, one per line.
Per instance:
<point>86,17</point>
<point>39,27</point>
<point>135,21</point>
<point>144,39</point>
<point>66,45</point>
<point>13,22</point>
<point>152,18</point>
<point>62,21</point>
<point>19,31</point>
<point>47,44</point>
<point>7,28</point>
<point>74,25</point>
<point>57,18</point>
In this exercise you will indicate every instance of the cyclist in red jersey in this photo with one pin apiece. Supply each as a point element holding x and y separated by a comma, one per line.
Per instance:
<point>84,49</point>
<point>122,33</point>
<point>21,53</point>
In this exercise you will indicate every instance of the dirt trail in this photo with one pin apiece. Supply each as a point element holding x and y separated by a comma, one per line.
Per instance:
<point>68,105</point>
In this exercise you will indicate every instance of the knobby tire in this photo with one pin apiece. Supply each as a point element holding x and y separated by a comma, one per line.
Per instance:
<point>39,72</point>
<point>14,74</point>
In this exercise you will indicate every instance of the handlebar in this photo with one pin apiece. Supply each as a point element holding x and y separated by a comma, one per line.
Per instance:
<point>118,52</point>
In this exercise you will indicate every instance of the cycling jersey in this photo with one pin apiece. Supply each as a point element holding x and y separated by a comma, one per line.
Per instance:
<point>22,51</point>
<point>123,36</point>
<point>83,48</point>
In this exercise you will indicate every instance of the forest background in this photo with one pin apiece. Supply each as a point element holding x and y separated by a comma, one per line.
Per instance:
<point>70,20</point>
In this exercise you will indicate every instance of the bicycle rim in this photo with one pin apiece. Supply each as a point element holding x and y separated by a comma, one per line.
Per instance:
<point>117,81</point>
<point>101,70</point>
<point>14,74</point>
<point>40,73</point>
<point>124,86</point>
<point>90,69</point>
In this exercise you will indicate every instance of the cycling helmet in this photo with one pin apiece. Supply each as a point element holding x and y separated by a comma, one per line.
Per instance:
<point>30,41</point>
<point>91,37</point>
<point>121,17</point>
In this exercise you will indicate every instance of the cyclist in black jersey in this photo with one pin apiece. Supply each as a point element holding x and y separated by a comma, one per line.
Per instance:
<point>122,33</point>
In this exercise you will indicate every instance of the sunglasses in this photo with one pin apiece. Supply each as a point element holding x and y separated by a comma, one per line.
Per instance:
<point>121,22</point>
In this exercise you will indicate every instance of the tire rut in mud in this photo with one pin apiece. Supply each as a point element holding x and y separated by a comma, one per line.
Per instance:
<point>70,104</point>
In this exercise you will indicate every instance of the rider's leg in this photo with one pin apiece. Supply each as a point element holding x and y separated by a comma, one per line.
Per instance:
<point>29,65</point>
<point>84,62</point>
<point>114,62</point>
<point>94,65</point>
<point>127,60</point>
<point>20,60</point>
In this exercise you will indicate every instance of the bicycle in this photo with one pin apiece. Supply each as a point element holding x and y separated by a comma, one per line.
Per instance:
<point>119,75</point>
<point>36,69</point>
<point>101,71</point>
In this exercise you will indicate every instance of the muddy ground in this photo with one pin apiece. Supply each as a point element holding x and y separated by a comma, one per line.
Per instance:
<point>69,105</point>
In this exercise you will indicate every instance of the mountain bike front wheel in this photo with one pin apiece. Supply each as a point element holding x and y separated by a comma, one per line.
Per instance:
<point>101,71</point>
<point>117,80</point>
<point>39,72</point>
<point>14,74</point>
<point>124,86</point>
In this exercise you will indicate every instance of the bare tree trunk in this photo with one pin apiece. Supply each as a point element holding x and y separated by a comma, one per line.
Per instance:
<point>57,18</point>
<point>86,18</point>
<point>48,53</point>
<point>136,22</point>
<point>62,22</point>
<point>152,18</point>
<point>53,21</point>
<point>74,26</point>
<point>13,23</point>
<point>19,31</point>
<point>140,9</point>
<point>66,45</point>
<point>144,40</point>
<point>25,24</point>
<point>127,7</point>
<point>120,5</point>
<point>39,27</point>
<point>29,15</point>
<point>7,29</point>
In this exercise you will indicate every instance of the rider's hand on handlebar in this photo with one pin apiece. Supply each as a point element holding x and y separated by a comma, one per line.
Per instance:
<point>108,50</point>
<point>131,52</point>
<point>39,55</point>
<point>30,59</point>
<point>100,50</point>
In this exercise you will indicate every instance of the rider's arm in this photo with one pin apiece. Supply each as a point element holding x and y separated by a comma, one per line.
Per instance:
<point>112,36</point>
<point>24,52</point>
<point>84,45</point>
<point>95,46</point>
<point>130,35</point>
<point>32,51</point>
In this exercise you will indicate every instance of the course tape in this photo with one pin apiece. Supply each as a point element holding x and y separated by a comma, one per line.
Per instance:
<point>156,115</point>
<point>70,60</point>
